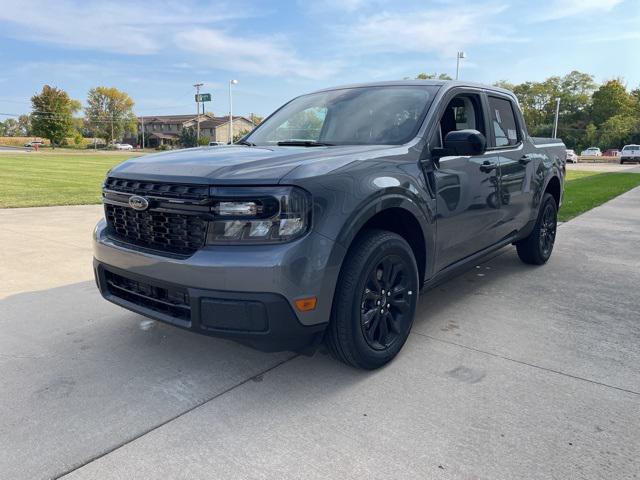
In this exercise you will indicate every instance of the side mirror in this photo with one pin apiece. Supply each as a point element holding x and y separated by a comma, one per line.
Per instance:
<point>462,143</point>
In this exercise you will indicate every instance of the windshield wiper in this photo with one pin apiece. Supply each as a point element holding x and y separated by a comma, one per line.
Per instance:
<point>303,143</point>
<point>244,142</point>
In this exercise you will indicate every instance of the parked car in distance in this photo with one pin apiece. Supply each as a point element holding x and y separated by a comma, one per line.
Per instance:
<point>215,144</point>
<point>591,152</point>
<point>611,152</point>
<point>571,156</point>
<point>630,153</point>
<point>122,146</point>
<point>329,228</point>
<point>34,143</point>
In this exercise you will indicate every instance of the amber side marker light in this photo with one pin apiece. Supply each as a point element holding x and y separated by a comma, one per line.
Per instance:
<point>306,304</point>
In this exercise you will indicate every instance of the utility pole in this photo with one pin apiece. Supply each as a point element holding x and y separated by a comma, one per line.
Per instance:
<point>459,57</point>
<point>231,82</point>
<point>198,85</point>
<point>555,122</point>
<point>142,122</point>
<point>112,139</point>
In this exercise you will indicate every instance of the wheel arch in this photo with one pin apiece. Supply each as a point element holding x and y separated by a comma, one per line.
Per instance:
<point>397,214</point>
<point>554,187</point>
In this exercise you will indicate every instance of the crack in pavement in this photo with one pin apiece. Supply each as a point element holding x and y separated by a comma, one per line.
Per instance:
<point>169,420</point>
<point>521,362</point>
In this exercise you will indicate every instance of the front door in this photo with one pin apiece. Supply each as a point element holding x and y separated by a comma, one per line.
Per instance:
<point>467,188</point>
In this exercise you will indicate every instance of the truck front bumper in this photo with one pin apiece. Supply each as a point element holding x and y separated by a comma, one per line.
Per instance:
<point>245,293</point>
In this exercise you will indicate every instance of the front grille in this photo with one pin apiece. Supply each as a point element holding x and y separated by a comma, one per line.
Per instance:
<point>172,301</point>
<point>167,190</point>
<point>175,223</point>
<point>182,234</point>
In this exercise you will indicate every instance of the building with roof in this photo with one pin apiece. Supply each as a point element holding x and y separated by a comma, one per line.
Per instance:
<point>165,129</point>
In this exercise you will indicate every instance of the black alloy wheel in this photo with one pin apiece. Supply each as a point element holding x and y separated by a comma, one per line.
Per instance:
<point>385,304</point>
<point>375,300</point>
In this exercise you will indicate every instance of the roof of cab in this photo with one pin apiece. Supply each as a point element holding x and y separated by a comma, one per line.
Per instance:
<point>435,83</point>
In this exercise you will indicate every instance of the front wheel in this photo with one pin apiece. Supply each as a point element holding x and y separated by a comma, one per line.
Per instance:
<point>537,247</point>
<point>375,301</point>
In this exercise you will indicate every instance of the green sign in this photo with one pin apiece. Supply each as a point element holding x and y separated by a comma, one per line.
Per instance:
<point>203,97</point>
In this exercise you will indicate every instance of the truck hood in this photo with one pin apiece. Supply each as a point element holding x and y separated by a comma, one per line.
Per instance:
<point>241,164</point>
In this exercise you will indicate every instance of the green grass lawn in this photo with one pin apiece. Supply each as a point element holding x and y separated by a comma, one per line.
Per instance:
<point>586,190</point>
<point>75,178</point>
<point>53,178</point>
<point>575,174</point>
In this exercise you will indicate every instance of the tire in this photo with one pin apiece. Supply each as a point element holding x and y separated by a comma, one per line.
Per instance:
<point>538,246</point>
<point>362,332</point>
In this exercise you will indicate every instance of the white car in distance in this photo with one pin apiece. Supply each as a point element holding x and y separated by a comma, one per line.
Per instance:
<point>591,152</point>
<point>122,146</point>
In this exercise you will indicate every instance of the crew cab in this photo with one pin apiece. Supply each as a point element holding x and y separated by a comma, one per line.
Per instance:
<point>326,222</point>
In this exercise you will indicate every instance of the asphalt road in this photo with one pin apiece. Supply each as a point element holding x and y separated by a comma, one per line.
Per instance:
<point>511,372</point>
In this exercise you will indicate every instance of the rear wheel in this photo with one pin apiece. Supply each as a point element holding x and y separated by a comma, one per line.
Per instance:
<point>375,301</point>
<point>537,247</point>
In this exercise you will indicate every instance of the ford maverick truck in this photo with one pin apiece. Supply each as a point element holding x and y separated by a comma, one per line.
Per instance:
<point>326,222</point>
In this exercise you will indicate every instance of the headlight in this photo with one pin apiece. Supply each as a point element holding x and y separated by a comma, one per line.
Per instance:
<point>258,215</point>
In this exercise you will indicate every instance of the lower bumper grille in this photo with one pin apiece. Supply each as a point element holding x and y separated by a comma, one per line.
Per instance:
<point>181,234</point>
<point>169,301</point>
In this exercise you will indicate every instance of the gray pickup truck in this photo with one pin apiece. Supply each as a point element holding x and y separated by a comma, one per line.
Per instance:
<point>327,220</point>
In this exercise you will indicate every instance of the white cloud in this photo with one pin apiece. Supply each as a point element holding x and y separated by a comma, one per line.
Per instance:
<point>347,5</point>
<point>264,56</point>
<point>127,28</point>
<point>443,30</point>
<point>558,9</point>
<point>119,27</point>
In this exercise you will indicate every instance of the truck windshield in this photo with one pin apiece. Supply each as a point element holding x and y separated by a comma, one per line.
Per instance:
<point>389,115</point>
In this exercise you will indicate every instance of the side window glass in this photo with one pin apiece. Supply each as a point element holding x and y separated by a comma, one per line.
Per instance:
<point>463,112</point>
<point>504,122</point>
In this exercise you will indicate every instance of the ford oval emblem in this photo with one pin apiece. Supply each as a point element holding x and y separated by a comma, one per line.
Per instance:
<point>138,203</point>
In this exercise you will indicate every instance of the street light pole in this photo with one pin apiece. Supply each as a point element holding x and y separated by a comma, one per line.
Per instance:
<point>198,85</point>
<point>142,124</point>
<point>231,82</point>
<point>555,122</point>
<point>459,57</point>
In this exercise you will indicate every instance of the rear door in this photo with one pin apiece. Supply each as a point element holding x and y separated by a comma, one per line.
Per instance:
<point>467,196</point>
<point>515,162</point>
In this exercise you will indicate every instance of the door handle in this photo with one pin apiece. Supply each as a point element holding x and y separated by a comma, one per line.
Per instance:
<point>524,160</point>
<point>488,166</point>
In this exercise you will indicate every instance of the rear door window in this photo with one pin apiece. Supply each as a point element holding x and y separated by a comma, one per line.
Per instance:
<point>503,118</point>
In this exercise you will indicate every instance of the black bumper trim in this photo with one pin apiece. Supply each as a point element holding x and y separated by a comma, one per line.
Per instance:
<point>264,321</point>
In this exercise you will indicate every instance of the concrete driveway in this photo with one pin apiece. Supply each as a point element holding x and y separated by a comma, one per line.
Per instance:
<point>511,372</point>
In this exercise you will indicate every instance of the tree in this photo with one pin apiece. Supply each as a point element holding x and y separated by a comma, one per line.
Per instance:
<point>609,100</point>
<point>617,131</point>
<point>433,76</point>
<point>538,103</point>
<point>590,137</point>
<point>10,127</point>
<point>52,115</point>
<point>24,125</point>
<point>110,113</point>
<point>238,136</point>
<point>188,137</point>
<point>504,84</point>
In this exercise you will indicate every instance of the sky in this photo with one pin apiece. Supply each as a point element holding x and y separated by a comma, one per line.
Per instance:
<point>156,50</point>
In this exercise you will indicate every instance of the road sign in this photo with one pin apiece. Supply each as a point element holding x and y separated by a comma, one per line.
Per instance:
<point>203,97</point>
